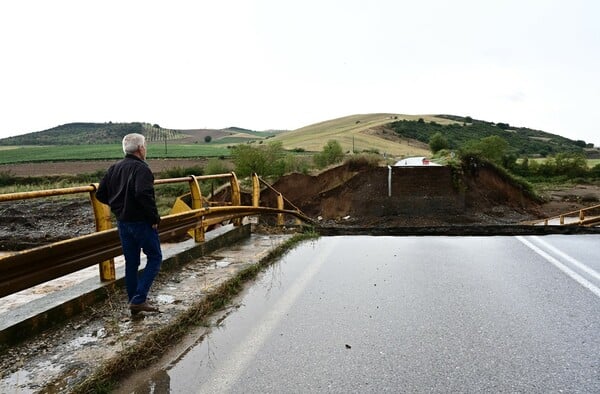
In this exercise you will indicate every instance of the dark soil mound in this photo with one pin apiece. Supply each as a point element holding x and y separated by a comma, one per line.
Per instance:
<point>406,196</point>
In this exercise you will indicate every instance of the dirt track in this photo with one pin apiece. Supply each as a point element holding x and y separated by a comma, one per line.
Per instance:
<point>89,166</point>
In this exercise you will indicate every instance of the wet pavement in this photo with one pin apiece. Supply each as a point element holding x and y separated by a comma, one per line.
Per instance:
<point>59,358</point>
<point>403,314</point>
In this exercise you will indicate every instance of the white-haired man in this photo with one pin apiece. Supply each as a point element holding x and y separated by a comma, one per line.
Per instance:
<point>128,188</point>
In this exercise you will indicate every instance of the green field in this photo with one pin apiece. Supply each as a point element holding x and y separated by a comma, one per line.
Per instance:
<point>28,154</point>
<point>590,162</point>
<point>352,132</point>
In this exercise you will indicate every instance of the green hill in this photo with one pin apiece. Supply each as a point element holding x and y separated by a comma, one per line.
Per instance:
<point>398,135</point>
<point>112,133</point>
<point>522,141</point>
<point>89,134</point>
<point>393,134</point>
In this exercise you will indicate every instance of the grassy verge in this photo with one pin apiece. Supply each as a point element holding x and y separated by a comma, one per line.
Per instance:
<point>158,342</point>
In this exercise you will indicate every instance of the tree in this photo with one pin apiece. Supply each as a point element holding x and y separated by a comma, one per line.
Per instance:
<point>437,142</point>
<point>570,164</point>
<point>265,160</point>
<point>207,139</point>
<point>332,153</point>
<point>493,148</point>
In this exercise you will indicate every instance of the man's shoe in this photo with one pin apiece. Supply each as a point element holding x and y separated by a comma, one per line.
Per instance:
<point>143,307</point>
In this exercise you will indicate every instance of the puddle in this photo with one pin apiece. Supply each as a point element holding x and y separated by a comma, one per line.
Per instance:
<point>216,264</point>
<point>222,264</point>
<point>83,340</point>
<point>17,381</point>
<point>165,299</point>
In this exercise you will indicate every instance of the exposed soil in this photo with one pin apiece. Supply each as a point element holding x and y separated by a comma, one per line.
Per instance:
<point>347,195</point>
<point>432,196</point>
<point>89,166</point>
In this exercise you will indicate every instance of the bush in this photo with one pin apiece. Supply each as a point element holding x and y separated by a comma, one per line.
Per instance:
<point>180,172</point>
<point>7,178</point>
<point>438,142</point>
<point>332,153</point>
<point>595,171</point>
<point>216,166</point>
<point>294,163</point>
<point>357,162</point>
<point>265,160</point>
<point>492,148</point>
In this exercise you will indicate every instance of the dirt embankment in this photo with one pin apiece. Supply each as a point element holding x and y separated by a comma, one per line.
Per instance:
<point>407,196</point>
<point>347,195</point>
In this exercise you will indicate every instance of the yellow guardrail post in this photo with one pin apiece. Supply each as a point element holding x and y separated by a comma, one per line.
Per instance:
<point>255,190</point>
<point>103,222</point>
<point>280,221</point>
<point>196,204</point>
<point>236,197</point>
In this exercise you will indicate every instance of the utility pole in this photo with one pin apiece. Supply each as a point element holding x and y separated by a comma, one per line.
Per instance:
<point>165,134</point>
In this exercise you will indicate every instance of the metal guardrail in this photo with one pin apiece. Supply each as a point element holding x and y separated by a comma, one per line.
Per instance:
<point>589,216</point>
<point>24,269</point>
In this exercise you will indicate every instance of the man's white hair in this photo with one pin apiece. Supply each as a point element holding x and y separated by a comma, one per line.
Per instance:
<point>132,142</point>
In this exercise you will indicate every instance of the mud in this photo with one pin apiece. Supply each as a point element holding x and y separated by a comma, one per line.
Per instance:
<point>350,195</point>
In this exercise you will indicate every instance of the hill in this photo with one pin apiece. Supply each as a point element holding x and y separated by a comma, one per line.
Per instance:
<point>402,135</point>
<point>522,140</point>
<point>357,133</point>
<point>112,133</point>
<point>396,135</point>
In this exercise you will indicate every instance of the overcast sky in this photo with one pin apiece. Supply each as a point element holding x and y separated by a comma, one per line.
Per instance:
<point>276,64</point>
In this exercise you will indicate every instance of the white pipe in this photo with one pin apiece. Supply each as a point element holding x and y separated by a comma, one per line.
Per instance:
<point>389,181</point>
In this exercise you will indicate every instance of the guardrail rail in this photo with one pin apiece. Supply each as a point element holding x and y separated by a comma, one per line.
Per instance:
<point>589,216</point>
<point>27,268</point>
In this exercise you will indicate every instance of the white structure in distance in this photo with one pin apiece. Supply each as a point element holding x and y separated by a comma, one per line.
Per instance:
<point>415,162</point>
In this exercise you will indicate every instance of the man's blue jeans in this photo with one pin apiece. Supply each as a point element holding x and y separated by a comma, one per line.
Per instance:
<point>137,237</point>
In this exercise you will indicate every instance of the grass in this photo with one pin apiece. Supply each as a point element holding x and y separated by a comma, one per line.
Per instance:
<point>27,154</point>
<point>351,133</point>
<point>158,342</point>
<point>540,160</point>
<point>593,162</point>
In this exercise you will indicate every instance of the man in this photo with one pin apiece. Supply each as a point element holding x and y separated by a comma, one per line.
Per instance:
<point>128,188</point>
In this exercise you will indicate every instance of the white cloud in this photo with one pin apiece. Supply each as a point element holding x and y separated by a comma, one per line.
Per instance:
<point>269,64</point>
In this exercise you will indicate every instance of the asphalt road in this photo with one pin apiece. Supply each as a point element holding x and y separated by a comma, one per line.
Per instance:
<point>407,314</point>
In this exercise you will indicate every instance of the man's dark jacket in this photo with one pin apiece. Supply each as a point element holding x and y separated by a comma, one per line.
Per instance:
<point>128,188</point>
